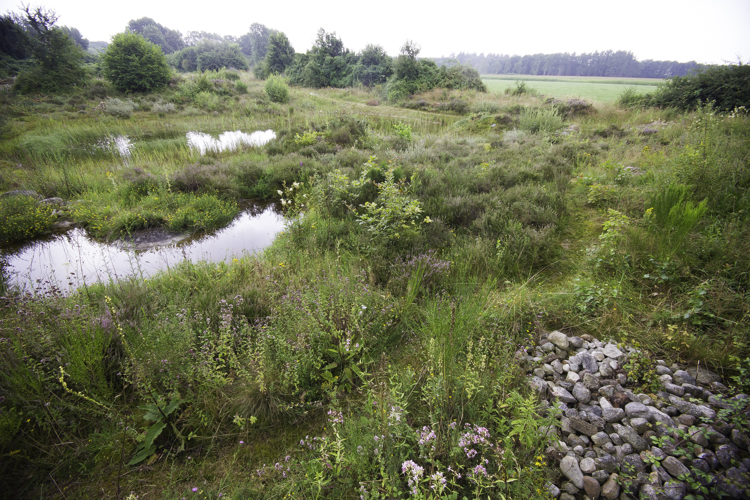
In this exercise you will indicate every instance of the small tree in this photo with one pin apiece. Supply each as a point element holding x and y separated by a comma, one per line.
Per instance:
<point>133,64</point>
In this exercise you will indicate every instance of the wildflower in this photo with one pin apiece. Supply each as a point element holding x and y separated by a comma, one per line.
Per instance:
<point>242,442</point>
<point>280,192</point>
<point>195,489</point>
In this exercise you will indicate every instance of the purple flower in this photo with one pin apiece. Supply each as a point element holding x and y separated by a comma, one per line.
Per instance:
<point>195,489</point>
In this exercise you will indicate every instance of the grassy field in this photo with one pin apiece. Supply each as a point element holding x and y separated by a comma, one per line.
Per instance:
<point>423,250</point>
<point>603,90</point>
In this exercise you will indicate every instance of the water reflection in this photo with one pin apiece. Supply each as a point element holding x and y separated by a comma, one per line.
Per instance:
<point>228,140</point>
<point>71,260</point>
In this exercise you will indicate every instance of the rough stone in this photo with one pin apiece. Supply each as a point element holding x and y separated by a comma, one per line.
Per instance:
<point>639,424</point>
<point>637,410</point>
<point>629,435</point>
<point>698,411</point>
<point>559,339</point>
<point>611,351</point>
<point>740,439</point>
<point>675,389</point>
<point>591,487</point>
<point>648,492</point>
<point>575,342</point>
<point>583,427</point>
<point>601,476</point>
<point>703,376</point>
<point>674,467</point>
<point>675,490</point>
<point>572,377</point>
<point>611,488</point>
<point>553,490</point>
<point>588,362</point>
<point>581,393</point>
<point>726,456</point>
<point>600,438</point>
<point>663,370</point>
<point>632,464</point>
<point>682,377</point>
<point>563,395</point>
<point>571,470</point>
<point>613,414</point>
<point>607,463</point>
<point>587,466</point>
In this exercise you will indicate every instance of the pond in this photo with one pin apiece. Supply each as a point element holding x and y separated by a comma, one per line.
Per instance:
<point>70,260</point>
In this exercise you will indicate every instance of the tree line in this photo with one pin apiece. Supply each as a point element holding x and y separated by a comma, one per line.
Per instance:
<point>619,63</point>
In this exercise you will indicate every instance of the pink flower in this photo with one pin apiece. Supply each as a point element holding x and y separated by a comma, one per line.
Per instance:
<point>195,489</point>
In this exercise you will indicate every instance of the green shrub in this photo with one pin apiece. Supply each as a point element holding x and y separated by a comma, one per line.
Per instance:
<point>277,89</point>
<point>207,101</point>
<point>728,87</point>
<point>22,217</point>
<point>133,64</point>
<point>240,87</point>
<point>536,120</point>
<point>121,108</point>
<point>163,107</point>
<point>630,98</point>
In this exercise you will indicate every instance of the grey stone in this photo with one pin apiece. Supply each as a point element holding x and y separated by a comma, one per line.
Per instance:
<point>583,427</point>
<point>616,439</point>
<point>657,417</point>
<point>701,465</point>
<point>703,376</point>
<point>686,419</point>
<point>600,438</point>
<point>563,395</point>
<point>710,459</point>
<point>567,496</point>
<point>663,370</point>
<point>598,355</point>
<point>570,469</point>
<point>648,492</point>
<point>591,487</point>
<point>553,490</point>
<point>611,351</point>
<point>611,488</point>
<point>537,383</point>
<point>693,390</point>
<point>637,410</point>
<point>622,379</point>
<point>580,392</point>
<point>605,370</point>
<point>639,424</point>
<point>557,366</point>
<point>538,372</point>
<point>608,448</point>
<point>58,202</point>
<point>601,476</point>
<point>572,376</point>
<point>740,439</point>
<point>607,463</point>
<point>559,339</point>
<point>674,467</point>
<point>575,342</point>
<point>587,466</point>
<point>588,362</point>
<point>698,411</point>
<point>606,391</point>
<point>682,377</point>
<point>728,486</point>
<point>675,389</point>
<point>726,456</point>
<point>632,464</point>
<point>578,450</point>
<point>574,367</point>
<point>697,436</point>
<point>590,381</point>
<point>548,370</point>
<point>675,490</point>
<point>629,435</point>
<point>613,414</point>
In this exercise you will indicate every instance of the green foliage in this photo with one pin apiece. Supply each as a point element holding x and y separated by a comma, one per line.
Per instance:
<point>540,120</point>
<point>521,88</point>
<point>277,89</point>
<point>121,108</point>
<point>133,64</point>
<point>58,60</point>
<point>403,131</point>
<point>726,86</point>
<point>673,216</point>
<point>631,98</point>
<point>160,416</point>
<point>279,56</point>
<point>167,40</point>
<point>22,218</point>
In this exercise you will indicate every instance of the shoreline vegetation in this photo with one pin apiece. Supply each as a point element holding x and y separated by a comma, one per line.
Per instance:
<point>434,236</point>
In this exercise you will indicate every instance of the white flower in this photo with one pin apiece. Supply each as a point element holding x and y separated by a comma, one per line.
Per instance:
<point>283,201</point>
<point>280,192</point>
<point>295,185</point>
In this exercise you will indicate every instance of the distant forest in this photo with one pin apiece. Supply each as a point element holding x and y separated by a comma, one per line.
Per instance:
<point>607,63</point>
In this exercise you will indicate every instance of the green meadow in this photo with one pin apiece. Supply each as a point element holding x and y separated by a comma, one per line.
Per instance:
<point>428,243</point>
<point>597,89</point>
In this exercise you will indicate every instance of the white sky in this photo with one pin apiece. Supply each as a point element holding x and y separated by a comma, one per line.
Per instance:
<point>707,31</point>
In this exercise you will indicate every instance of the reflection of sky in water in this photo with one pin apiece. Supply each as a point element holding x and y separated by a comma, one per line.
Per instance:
<point>72,259</point>
<point>228,140</point>
<point>120,145</point>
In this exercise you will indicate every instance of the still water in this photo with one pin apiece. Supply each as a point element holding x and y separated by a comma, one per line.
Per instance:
<point>72,259</point>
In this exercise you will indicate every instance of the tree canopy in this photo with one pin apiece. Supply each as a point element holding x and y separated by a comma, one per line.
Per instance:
<point>134,64</point>
<point>168,40</point>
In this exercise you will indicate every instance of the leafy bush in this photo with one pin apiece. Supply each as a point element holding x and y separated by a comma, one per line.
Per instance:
<point>240,87</point>
<point>163,107</point>
<point>121,108</point>
<point>207,101</point>
<point>728,87</point>
<point>133,64</point>
<point>630,98</point>
<point>22,217</point>
<point>521,88</point>
<point>535,120</point>
<point>277,89</point>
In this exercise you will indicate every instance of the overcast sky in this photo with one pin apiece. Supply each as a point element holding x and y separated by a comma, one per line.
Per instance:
<point>706,31</point>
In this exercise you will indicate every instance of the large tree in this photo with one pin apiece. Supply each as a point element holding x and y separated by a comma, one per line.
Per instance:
<point>279,55</point>
<point>59,61</point>
<point>169,40</point>
<point>134,64</point>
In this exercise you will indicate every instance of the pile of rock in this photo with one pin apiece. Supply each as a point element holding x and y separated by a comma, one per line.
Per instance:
<point>614,443</point>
